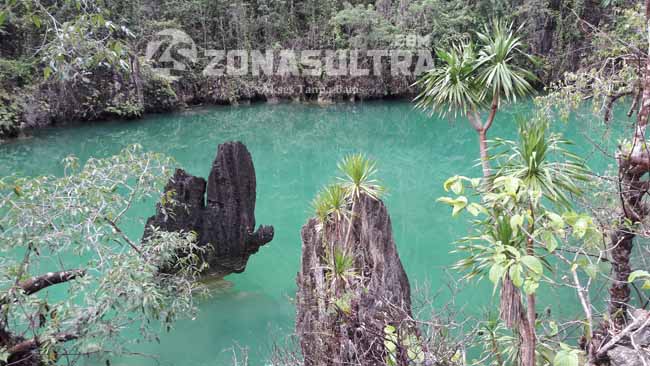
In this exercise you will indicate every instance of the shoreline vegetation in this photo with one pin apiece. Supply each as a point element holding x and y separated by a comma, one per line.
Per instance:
<point>146,92</point>
<point>53,105</point>
<point>94,60</point>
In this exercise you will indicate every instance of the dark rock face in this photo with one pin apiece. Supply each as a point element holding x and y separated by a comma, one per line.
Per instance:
<point>109,96</point>
<point>225,219</point>
<point>378,293</point>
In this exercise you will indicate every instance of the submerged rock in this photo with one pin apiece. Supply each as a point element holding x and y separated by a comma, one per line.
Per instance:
<point>225,217</point>
<point>352,321</point>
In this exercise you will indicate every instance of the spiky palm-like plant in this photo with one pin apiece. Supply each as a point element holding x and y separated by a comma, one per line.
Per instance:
<point>453,88</point>
<point>358,177</point>
<point>497,64</point>
<point>336,203</point>
<point>340,267</point>
<point>545,168</point>
<point>532,173</point>
<point>542,162</point>
<point>467,80</point>
<point>331,203</point>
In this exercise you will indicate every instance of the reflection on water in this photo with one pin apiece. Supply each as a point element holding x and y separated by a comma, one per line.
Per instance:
<point>216,285</point>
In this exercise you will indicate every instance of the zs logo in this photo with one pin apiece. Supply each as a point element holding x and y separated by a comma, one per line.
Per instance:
<point>179,51</point>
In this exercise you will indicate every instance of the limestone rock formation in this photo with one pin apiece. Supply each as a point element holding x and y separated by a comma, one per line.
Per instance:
<point>346,323</point>
<point>633,349</point>
<point>628,356</point>
<point>225,217</point>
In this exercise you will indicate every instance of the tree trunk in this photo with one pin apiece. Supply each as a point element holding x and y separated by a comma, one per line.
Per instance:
<point>632,165</point>
<point>527,334</point>
<point>528,341</point>
<point>29,345</point>
<point>619,291</point>
<point>483,147</point>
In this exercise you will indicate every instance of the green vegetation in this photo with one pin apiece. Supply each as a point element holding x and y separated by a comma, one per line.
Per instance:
<point>469,81</point>
<point>538,217</point>
<point>534,218</point>
<point>336,204</point>
<point>84,57</point>
<point>47,223</point>
<point>523,215</point>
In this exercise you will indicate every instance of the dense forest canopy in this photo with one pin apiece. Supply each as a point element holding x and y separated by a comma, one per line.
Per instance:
<point>35,31</point>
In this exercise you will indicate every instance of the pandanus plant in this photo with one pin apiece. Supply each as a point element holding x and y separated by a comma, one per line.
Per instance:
<point>543,166</point>
<point>525,208</point>
<point>470,79</point>
<point>533,159</point>
<point>336,204</point>
<point>358,172</point>
<point>331,206</point>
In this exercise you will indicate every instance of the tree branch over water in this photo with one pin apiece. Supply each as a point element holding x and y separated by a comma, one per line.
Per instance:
<point>38,283</point>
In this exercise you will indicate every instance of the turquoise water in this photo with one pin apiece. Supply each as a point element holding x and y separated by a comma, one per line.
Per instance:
<point>295,148</point>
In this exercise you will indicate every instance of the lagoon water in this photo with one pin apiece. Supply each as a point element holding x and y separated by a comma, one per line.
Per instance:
<point>295,148</point>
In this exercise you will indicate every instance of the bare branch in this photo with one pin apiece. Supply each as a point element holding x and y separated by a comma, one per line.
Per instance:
<point>638,322</point>
<point>38,283</point>
<point>125,237</point>
<point>609,104</point>
<point>32,344</point>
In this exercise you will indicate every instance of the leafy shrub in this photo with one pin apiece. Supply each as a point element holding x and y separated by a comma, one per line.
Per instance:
<point>16,72</point>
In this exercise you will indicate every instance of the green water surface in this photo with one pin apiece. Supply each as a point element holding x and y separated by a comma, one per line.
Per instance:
<point>295,148</point>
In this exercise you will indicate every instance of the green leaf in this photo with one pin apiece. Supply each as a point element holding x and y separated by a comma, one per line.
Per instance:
<point>447,184</point>
<point>457,187</point>
<point>533,263</point>
<point>554,328</point>
<point>511,185</point>
<point>570,217</point>
<point>456,357</point>
<point>3,17</point>
<point>530,286</point>
<point>496,272</point>
<point>458,203</point>
<point>591,270</point>
<point>592,238</point>
<point>390,346</point>
<point>557,223</point>
<point>36,20</point>
<point>566,358</point>
<point>638,274</point>
<point>47,72</point>
<point>4,355</point>
<point>549,240</point>
<point>516,221</point>
<point>515,275</point>
<point>475,209</point>
<point>455,184</point>
<point>580,227</point>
